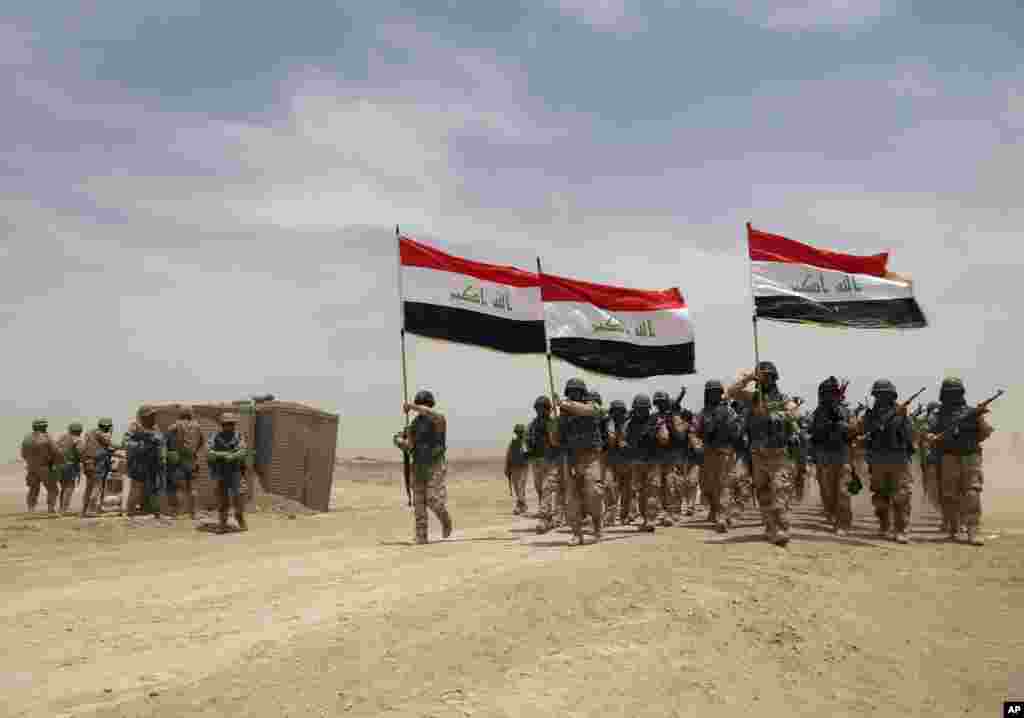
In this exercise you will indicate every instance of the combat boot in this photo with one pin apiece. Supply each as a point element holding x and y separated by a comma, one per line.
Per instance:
<point>544,526</point>
<point>576,540</point>
<point>901,537</point>
<point>240,513</point>
<point>446,524</point>
<point>974,539</point>
<point>721,526</point>
<point>191,506</point>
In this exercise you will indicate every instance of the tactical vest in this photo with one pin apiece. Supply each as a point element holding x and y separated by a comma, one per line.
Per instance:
<point>617,455</point>
<point>144,458</point>
<point>962,436</point>
<point>894,435</point>
<point>580,432</point>
<point>227,443</point>
<point>39,450</point>
<point>640,438</point>
<point>678,446</point>
<point>719,426</point>
<point>69,447</point>
<point>767,431</point>
<point>828,427</point>
<point>428,441</point>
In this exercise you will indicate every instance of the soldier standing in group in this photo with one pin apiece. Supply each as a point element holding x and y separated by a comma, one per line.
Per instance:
<point>70,446</point>
<point>830,442</point>
<point>536,441</point>
<point>147,455</point>
<point>42,458</point>
<point>618,494</point>
<point>97,455</point>
<point>580,432</point>
<point>640,438</point>
<point>957,431</point>
<point>690,469</point>
<point>889,441</point>
<point>671,444</point>
<point>801,456</point>
<point>185,442</point>
<point>771,419</point>
<point>515,467</point>
<point>930,466</point>
<point>226,453</point>
<point>717,427</point>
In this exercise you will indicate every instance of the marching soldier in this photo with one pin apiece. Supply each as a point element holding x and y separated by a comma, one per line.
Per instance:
<point>606,477</point>
<point>147,455</point>
<point>958,431</point>
<point>930,466</point>
<point>889,441</point>
<point>97,454</point>
<point>580,434</point>
<point>618,492</point>
<point>644,480</point>
<point>225,455</point>
<point>690,469</point>
<point>516,466</point>
<point>717,428</point>
<point>185,442</point>
<point>543,444</point>
<point>830,441</point>
<point>672,442</point>
<point>427,441</point>
<point>70,446</point>
<point>42,460</point>
<point>771,418</point>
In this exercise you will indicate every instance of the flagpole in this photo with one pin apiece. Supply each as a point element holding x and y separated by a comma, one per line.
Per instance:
<point>753,300</point>
<point>547,341</point>
<point>405,373</point>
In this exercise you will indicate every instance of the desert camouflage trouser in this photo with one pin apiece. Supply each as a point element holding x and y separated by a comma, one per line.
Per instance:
<point>892,486</point>
<point>689,485</point>
<point>550,474</point>
<point>429,489</point>
<point>930,482</point>
<point>670,484</point>
<point>833,479</point>
<point>963,479</point>
<point>34,479</point>
<point>518,480</point>
<point>583,490</point>
<point>618,493</point>
<point>717,484</point>
<point>773,482</point>
<point>644,484</point>
<point>537,472</point>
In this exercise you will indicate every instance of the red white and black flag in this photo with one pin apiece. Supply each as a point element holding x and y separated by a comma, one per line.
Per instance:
<point>469,302</point>
<point>797,283</point>
<point>626,333</point>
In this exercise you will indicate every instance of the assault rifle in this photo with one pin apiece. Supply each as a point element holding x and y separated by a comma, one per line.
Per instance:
<point>899,408</point>
<point>972,414</point>
<point>406,463</point>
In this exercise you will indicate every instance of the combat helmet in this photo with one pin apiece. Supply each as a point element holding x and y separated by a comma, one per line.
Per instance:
<point>542,402</point>
<point>595,397</point>
<point>618,406</point>
<point>575,387</point>
<point>75,427</point>
<point>424,398</point>
<point>828,387</point>
<point>39,424</point>
<point>519,429</point>
<point>952,386</point>
<point>767,367</point>
<point>661,399</point>
<point>106,423</point>
<point>641,402</point>
<point>883,386</point>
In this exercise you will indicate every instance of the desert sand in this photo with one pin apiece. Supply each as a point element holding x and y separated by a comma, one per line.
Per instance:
<point>338,614</point>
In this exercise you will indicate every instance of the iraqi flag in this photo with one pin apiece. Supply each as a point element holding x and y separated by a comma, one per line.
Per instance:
<point>626,333</point>
<point>800,284</point>
<point>469,302</point>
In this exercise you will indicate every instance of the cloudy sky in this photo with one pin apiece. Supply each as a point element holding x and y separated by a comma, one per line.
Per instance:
<point>199,198</point>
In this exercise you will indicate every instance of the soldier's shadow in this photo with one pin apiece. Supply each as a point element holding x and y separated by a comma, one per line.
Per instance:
<point>796,539</point>
<point>588,540</point>
<point>507,539</point>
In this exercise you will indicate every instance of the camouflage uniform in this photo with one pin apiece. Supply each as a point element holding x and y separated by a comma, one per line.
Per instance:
<point>961,469</point>
<point>717,427</point>
<point>226,453</point>
<point>42,462</point>
<point>830,440</point>
<point>581,439</point>
<point>617,491</point>
<point>185,442</point>
<point>889,440</point>
<point>801,458</point>
<point>97,450</point>
<point>515,468</point>
<point>640,438</point>
<point>147,456</point>
<point>429,490</point>
<point>70,446</point>
<point>546,457</point>
<point>668,457</point>
<point>769,430</point>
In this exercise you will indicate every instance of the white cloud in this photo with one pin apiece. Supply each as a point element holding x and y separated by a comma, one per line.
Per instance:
<point>602,15</point>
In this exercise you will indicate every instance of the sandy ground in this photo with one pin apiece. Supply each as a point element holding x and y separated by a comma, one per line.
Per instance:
<point>337,614</point>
